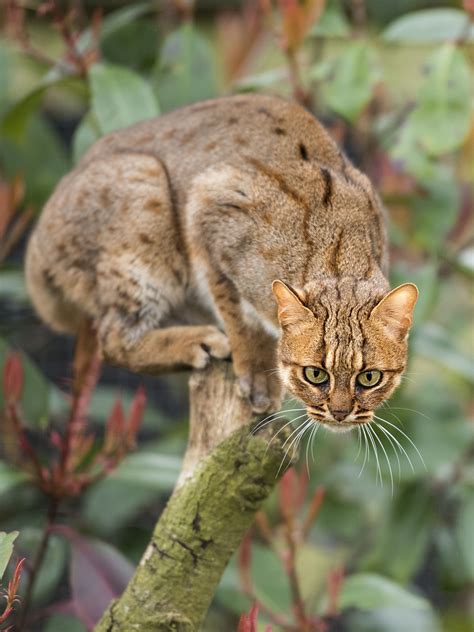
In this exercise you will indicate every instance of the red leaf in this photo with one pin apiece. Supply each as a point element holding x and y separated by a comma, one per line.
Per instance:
<point>248,622</point>
<point>286,493</point>
<point>115,428</point>
<point>135,415</point>
<point>13,377</point>
<point>99,573</point>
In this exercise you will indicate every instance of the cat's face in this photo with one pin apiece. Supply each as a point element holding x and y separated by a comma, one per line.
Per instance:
<point>342,352</point>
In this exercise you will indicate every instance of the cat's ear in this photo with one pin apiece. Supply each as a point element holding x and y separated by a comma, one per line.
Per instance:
<point>291,310</point>
<point>395,310</point>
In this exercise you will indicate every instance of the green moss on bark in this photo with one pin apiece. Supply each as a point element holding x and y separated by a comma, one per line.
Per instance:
<point>195,537</point>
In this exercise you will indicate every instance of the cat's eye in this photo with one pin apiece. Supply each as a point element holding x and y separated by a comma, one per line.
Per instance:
<point>315,375</point>
<point>367,379</point>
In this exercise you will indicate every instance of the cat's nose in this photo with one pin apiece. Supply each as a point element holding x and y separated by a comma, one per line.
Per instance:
<point>340,415</point>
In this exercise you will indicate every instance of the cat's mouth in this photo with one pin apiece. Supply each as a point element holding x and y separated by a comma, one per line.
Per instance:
<point>339,426</point>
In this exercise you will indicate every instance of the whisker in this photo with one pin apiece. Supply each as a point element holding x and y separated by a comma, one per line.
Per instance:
<point>411,410</point>
<point>406,436</point>
<point>360,444</point>
<point>362,428</point>
<point>376,454</point>
<point>288,423</point>
<point>294,431</point>
<point>401,448</point>
<point>386,458</point>
<point>279,414</point>
<point>389,437</point>
<point>317,427</point>
<point>298,437</point>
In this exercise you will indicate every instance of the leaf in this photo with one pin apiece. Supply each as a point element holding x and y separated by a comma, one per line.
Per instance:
<point>87,132</point>
<point>464,534</point>
<point>333,22</point>
<point>17,117</point>
<point>123,499</point>
<point>407,531</point>
<point>353,77</point>
<point>6,549</point>
<point>155,471</point>
<point>435,212</point>
<point>313,565</point>
<point>393,619</point>
<point>35,408</point>
<point>114,21</point>
<point>368,591</point>
<point>186,71</point>
<point>133,44</point>
<point>442,117</point>
<point>272,586</point>
<point>436,344</point>
<point>13,286</point>
<point>40,157</point>
<point>429,25</point>
<point>99,573</point>
<point>63,622</point>
<point>6,74</point>
<point>53,567</point>
<point>120,97</point>
<point>10,477</point>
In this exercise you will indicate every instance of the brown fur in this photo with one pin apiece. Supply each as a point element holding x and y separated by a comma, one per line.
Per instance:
<point>169,233</point>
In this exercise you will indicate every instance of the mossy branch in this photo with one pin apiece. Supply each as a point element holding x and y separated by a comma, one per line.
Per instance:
<point>227,474</point>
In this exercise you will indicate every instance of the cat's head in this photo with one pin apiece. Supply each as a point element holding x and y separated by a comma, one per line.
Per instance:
<point>343,346</point>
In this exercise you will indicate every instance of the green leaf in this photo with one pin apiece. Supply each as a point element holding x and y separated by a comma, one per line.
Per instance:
<point>53,567</point>
<point>123,500</point>
<point>435,213</point>
<point>10,477</point>
<point>394,619</point>
<point>464,534</point>
<point>87,132</point>
<point>134,44</point>
<point>186,71</point>
<point>406,530</point>
<point>429,25</point>
<point>368,591</point>
<point>442,117</point>
<point>39,157</point>
<point>155,471</point>
<point>333,22</point>
<point>63,622</point>
<point>17,117</point>
<point>12,286</point>
<point>114,21</point>
<point>313,565</point>
<point>434,343</point>
<point>272,586</point>
<point>35,396</point>
<point>120,97</point>
<point>6,549</point>
<point>350,87</point>
<point>6,74</point>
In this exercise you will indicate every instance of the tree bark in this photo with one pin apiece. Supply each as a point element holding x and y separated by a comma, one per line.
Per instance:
<point>227,474</point>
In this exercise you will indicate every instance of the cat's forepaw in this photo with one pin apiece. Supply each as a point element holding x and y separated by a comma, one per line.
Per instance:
<point>264,390</point>
<point>214,344</point>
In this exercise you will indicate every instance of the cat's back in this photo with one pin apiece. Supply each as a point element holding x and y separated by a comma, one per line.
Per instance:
<point>236,130</point>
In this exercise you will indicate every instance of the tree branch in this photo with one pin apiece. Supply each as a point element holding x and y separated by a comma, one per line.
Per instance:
<point>227,474</point>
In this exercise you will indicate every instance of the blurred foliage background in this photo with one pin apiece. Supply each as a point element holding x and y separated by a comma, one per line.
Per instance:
<point>393,83</point>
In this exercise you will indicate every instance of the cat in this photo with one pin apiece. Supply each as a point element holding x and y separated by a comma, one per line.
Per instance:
<point>171,235</point>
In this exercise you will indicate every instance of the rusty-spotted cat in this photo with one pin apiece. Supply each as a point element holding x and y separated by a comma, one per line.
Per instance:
<point>171,234</point>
